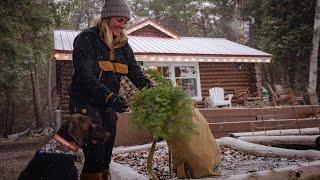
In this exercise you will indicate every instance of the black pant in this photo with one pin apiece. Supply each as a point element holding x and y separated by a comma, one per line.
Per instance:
<point>97,156</point>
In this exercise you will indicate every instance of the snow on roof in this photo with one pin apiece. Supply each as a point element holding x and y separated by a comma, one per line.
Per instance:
<point>173,47</point>
<point>63,40</point>
<point>191,46</point>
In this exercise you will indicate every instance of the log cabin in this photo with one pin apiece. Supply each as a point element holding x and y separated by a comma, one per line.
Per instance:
<point>194,63</point>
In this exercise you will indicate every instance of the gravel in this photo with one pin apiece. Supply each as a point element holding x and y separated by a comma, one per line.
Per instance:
<point>233,162</point>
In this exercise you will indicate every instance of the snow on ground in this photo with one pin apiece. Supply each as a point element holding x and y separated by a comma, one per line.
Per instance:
<point>15,155</point>
<point>121,172</point>
<point>233,161</point>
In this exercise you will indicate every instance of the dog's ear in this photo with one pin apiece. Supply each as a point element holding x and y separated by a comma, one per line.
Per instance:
<point>75,128</point>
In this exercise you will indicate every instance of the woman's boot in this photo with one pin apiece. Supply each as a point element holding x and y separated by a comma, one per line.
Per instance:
<point>106,174</point>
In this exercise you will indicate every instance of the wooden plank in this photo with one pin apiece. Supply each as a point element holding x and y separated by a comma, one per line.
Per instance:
<point>280,116</point>
<point>214,81</point>
<point>232,112</point>
<point>209,76</point>
<point>245,126</point>
<point>225,84</point>
<point>231,119</point>
<point>227,74</point>
<point>302,111</point>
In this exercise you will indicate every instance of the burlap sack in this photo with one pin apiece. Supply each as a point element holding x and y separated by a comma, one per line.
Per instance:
<point>200,156</point>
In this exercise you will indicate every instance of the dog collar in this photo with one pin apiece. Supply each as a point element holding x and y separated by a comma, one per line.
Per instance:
<point>66,143</point>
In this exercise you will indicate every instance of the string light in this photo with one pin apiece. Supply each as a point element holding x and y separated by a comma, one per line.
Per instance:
<point>62,56</point>
<point>68,56</point>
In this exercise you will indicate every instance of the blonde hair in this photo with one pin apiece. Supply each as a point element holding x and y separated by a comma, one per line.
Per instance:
<point>107,36</point>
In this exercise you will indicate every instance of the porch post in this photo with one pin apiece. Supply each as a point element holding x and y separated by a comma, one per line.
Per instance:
<point>257,75</point>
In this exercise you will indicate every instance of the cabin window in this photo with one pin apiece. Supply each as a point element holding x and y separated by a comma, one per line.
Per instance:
<point>164,70</point>
<point>185,75</point>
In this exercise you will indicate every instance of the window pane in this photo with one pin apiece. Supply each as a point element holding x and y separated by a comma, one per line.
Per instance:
<point>164,70</point>
<point>184,71</point>
<point>177,72</point>
<point>189,85</point>
<point>179,82</point>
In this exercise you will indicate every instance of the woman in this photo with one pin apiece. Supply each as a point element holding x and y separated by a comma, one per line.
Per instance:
<point>101,55</point>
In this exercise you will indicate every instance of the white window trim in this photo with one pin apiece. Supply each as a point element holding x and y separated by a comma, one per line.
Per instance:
<point>171,70</point>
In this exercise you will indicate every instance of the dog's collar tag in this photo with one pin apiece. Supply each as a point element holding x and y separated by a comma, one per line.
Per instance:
<point>80,156</point>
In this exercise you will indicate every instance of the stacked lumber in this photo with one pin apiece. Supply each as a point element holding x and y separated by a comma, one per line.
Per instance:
<point>127,89</point>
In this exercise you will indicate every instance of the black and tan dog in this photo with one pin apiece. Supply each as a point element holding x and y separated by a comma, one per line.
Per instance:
<point>56,159</point>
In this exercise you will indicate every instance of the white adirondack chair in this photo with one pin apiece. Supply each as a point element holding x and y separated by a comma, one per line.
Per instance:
<point>217,98</point>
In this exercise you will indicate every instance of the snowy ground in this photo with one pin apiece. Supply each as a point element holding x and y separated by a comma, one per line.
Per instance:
<point>233,162</point>
<point>15,155</point>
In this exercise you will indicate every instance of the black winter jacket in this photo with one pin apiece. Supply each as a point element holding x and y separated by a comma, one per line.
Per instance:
<point>95,75</point>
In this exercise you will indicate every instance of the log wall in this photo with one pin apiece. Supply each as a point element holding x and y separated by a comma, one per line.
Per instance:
<point>226,75</point>
<point>229,76</point>
<point>149,31</point>
<point>64,70</point>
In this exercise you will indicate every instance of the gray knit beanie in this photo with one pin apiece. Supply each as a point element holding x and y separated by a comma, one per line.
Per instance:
<point>113,8</point>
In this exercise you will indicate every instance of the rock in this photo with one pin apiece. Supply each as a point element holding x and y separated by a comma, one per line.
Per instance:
<point>13,137</point>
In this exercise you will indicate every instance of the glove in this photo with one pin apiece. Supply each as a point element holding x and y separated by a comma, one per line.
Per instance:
<point>150,84</point>
<point>117,103</point>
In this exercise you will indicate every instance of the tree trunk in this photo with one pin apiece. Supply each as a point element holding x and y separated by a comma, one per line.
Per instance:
<point>9,113</point>
<point>36,95</point>
<point>284,132</point>
<point>261,150</point>
<point>50,109</point>
<point>305,140</point>
<point>312,87</point>
<point>150,159</point>
<point>88,14</point>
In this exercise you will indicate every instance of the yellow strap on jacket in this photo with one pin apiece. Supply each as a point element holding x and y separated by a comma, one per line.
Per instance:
<point>114,67</point>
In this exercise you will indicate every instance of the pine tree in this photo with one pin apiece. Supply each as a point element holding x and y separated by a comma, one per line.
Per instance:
<point>77,14</point>
<point>190,18</point>
<point>312,86</point>
<point>164,111</point>
<point>26,46</point>
<point>284,29</point>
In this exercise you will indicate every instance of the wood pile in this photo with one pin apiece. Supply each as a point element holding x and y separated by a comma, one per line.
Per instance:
<point>127,89</point>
